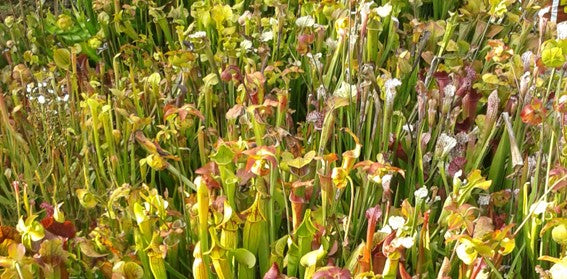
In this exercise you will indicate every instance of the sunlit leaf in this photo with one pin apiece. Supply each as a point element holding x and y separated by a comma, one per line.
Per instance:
<point>301,162</point>
<point>62,58</point>
<point>88,249</point>
<point>553,57</point>
<point>466,252</point>
<point>244,257</point>
<point>312,257</point>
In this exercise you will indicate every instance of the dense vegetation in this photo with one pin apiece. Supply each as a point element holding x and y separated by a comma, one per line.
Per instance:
<point>282,138</point>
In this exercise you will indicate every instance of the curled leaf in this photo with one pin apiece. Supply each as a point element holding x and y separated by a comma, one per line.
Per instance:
<point>311,258</point>
<point>62,58</point>
<point>244,257</point>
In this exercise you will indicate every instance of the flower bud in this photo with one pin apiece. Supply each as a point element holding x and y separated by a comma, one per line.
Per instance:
<point>64,22</point>
<point>9,21</point>
<point>491,111</point>
<point>431,112</point>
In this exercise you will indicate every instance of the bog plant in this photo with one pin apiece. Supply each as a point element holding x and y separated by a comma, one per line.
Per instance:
<point>282,139</point>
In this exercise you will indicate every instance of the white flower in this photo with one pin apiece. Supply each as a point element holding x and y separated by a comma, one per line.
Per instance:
<point>445,144</point>
<point>321,92</point>
<point>384,11</point>
<point>485,273</point>
<point>365,9</point>
<point>448,234</point>
<point>386,229</point>
<point>316,60</point>
<point>406,242</point>
<point>346,90</point>
<point>305,21</point>
<point>273,21</point>
<point>421,192</point>
<point>539,207</point>
<point>483,200</point>
<point>65,98</point>
<point>450,91</point>
<point>267,36</point>
<point>294,62</point>
<point>331,43</point>
<point>562,30</point>
<point>198,35</point>
<point>458,173</point>
<point>390,86</point>
<point>244,17</point>
<point>526,58</point>
<point>41,99</point>
<point>457,182</point>
<point>246,45</point>
<point>559,270</point>
<point>396,222</point>
<point>385,179</point>
<point>408,128</point>
<point>437,198</point>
